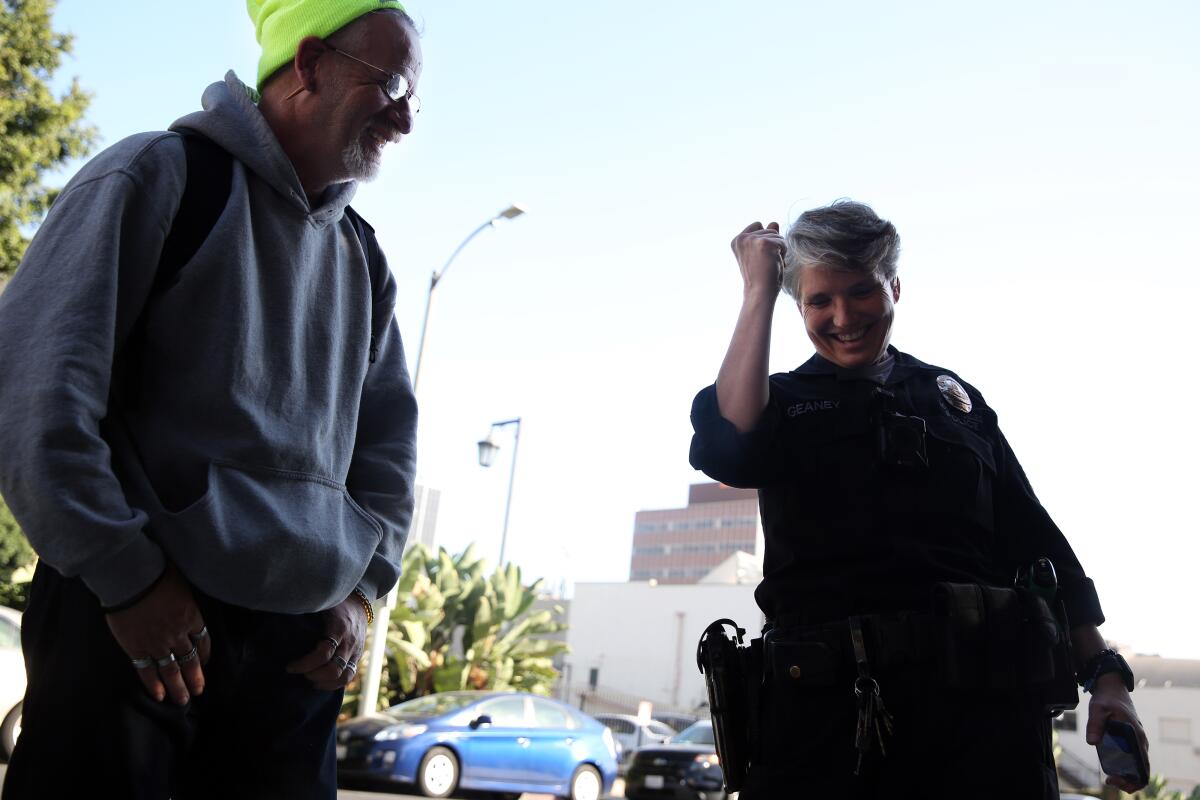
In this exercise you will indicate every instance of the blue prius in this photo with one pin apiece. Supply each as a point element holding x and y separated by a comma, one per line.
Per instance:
<point>501,742</point>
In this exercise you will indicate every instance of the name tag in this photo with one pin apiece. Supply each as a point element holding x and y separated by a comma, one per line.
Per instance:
<point>809,406</point>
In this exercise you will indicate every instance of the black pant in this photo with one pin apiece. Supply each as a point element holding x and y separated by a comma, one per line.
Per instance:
<point>89,729</point>
<point>946,743</point>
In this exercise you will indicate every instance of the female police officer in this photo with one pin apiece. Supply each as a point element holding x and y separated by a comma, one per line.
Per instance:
<point>897,656</point>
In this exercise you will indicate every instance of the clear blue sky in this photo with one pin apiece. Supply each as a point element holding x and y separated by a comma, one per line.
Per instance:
<point>1039,160</point>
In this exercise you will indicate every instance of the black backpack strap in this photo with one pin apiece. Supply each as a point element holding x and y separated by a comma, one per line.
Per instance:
<point>375,266</point>
<point>209,181</point>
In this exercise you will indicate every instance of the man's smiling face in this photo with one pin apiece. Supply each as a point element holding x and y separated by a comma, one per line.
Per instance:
<point>360,117</point>
<point>848,315</point>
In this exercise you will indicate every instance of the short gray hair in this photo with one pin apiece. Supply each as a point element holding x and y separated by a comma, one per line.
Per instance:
<point>352,35</point>
<point>845,236</point>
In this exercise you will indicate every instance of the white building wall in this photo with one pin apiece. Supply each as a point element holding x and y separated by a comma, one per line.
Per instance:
<point>642,637</point>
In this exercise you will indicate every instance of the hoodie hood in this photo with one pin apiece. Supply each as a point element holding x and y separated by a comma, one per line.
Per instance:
<point>231,119</point>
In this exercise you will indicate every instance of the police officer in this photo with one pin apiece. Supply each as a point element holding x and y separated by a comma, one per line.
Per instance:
<point>882,478</point>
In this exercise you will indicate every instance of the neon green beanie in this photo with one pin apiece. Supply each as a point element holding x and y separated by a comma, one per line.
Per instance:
<point>279,25</point>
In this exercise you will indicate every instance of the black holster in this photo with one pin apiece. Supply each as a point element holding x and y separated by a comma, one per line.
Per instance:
<point>732,673</point>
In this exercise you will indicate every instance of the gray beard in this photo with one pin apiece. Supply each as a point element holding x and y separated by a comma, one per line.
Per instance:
<point>358,164</point>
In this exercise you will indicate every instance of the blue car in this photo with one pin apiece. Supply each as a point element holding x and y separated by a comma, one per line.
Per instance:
<point>504,743</point>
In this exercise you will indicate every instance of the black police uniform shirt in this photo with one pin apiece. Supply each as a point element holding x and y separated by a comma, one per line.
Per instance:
<point>854,524</point>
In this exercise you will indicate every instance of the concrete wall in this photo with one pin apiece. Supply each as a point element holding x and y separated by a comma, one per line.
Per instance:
<point>642,637</point>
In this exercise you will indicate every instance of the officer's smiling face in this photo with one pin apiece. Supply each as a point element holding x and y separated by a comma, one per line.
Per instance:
<point>848,315</point>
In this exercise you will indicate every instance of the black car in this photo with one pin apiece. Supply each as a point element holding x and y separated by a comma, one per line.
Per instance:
<point>686,767</point>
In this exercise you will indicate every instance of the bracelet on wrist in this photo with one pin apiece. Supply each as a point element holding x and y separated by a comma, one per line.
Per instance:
<point>365,602</point>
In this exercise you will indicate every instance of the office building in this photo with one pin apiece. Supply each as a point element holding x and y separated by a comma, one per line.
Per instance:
<point>682,545</point>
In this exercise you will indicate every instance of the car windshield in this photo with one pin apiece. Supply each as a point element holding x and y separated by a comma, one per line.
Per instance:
<point>659,729</point>
<point>433,705</point>
<point>699,733</point>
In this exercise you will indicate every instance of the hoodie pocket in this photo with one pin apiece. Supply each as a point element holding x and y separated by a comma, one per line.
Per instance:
<point>271,539</point>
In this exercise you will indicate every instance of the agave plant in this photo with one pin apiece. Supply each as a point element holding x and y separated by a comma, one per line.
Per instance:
<point>457,627</point>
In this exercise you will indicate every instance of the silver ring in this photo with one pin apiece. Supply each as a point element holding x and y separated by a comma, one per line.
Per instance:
<point>341,662</point>
<point>199,637</point>
<point>142,663</point>
<point>188,656</point>
<point>336,644</point>
<point>350,665</point>
<point>166,660</point>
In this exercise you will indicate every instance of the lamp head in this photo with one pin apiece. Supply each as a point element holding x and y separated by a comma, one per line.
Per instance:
<point>487,451</point>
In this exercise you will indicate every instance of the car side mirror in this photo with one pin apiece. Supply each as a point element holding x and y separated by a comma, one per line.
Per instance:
<point>480,721</point>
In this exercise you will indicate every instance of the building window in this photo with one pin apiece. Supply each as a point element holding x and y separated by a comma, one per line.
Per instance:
<point>1175,729</point>
<point>1069,721</point>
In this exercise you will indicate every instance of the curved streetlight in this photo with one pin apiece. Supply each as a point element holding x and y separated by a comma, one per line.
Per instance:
<point>512,212</point>
<point>378,638</point>
<point>487,456</point>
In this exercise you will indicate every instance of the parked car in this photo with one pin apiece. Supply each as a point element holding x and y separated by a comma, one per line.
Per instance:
<point>12,679</point>
<point>632,733</point>
<point>686,767</point>
<point>677,721</point>
<point>501,742</point>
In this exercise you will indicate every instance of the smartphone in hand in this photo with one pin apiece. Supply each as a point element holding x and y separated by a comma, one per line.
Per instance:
<point>1120,754</point>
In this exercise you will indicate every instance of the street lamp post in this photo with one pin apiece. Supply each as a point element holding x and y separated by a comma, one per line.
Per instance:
<point>513,211</point>
<point>487,455</point>
<point>378,635</point>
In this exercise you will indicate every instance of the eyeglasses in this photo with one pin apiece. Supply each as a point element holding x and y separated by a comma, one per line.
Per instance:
<point>396,87</point>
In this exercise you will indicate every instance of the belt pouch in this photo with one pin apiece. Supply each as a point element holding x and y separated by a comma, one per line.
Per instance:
<point>799,674</point>
<point>796,662</point>
<point>1007,638</point>
<point>959,637</point>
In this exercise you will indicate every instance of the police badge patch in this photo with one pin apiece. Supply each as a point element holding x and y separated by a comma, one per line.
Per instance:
<point>954,394</point>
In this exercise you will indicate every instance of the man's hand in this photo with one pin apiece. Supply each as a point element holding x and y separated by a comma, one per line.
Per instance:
<point>759,253</point>
<point>164,632</point>
<point>1110,700</point>
<point>333,661</point>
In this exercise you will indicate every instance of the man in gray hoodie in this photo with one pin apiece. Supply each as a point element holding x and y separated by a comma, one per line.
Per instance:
<point>214,465</point>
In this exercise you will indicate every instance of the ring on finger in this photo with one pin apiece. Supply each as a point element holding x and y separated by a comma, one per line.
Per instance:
<point>353,667</point>
<point>188,656</point>
<point>199,637</point>
<point>336,644</point>
<point>166,660</point>
<point>142,663</point>
<point>341,662</point>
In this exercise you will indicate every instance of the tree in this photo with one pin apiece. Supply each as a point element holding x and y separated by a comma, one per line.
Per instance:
<point>456,627</point>
<point>37,130</point>
<point>16,556</point>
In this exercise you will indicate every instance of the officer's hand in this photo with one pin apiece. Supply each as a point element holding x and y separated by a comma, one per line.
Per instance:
<point>1110,700</point>
<point>759,254</point>
<point>333,661</point>
<point>164,634</point>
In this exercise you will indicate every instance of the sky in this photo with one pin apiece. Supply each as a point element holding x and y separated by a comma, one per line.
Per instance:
<point>1039,160</point>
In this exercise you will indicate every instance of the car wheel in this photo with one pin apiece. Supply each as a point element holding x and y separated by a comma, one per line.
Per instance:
<point>10,730</point>
<point>586,784</point>
<point>437,776</point>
